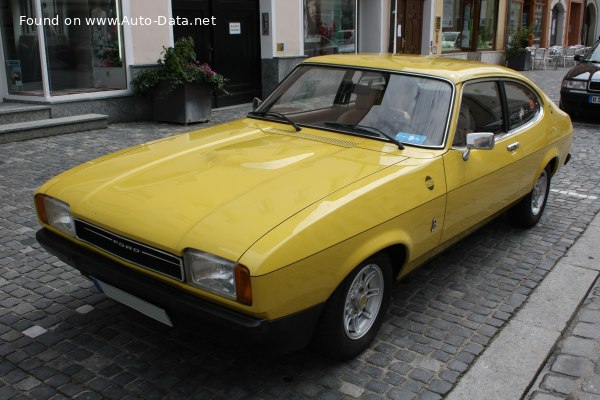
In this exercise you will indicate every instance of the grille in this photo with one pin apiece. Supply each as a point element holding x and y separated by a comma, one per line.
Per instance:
<point>131,251</point>
<point>595,86</point>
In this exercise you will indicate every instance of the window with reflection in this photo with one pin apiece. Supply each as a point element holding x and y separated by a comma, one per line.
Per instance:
<point>480,111</point>
<point>329,27</point>
<point>83,51</point>
<point>469,25</point>
<point>523,104</point>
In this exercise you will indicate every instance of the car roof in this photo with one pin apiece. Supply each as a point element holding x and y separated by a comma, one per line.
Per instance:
<point>452,69</point>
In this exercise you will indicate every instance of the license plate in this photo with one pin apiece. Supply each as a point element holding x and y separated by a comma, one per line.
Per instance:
<point>595,99</point>
<point>132,301</point>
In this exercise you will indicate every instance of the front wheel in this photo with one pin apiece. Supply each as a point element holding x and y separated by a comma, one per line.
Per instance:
<point>527,212</point>
<point>355,311</point>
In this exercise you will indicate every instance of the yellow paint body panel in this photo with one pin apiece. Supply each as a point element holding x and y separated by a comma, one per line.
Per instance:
<point>302,210</point>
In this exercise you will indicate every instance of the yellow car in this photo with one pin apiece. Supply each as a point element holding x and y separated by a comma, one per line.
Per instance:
<point>292,224</point>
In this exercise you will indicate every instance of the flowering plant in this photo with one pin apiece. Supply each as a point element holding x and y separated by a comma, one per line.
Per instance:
<point>108,56</point>
<point>178,66</point>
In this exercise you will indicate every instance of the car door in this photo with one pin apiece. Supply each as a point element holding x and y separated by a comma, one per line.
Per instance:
<point>490,180</point>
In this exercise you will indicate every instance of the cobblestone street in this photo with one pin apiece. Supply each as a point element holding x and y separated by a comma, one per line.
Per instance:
<point>60,339</point>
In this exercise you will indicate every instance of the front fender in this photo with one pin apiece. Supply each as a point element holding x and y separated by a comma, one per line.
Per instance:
<point>302,261</point>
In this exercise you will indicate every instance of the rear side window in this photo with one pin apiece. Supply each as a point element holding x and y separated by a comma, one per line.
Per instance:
<point>523,104</point>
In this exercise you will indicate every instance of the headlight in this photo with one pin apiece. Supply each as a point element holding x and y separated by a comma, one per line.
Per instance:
<point>218,275</point>
<point>569,84</point>
<point>55,213</point>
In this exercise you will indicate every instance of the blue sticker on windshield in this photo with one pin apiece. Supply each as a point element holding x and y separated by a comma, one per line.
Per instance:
<point>410,138</point>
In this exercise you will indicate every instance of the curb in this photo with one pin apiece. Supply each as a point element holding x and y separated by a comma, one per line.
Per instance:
<point>510,365</point>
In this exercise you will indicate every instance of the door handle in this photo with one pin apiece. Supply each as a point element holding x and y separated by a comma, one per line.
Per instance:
<point>513,146</point>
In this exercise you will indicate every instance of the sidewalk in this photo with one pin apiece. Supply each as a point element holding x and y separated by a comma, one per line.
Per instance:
<point>552,333</point>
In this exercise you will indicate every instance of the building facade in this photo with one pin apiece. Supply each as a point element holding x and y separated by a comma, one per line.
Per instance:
<point>59,51</point>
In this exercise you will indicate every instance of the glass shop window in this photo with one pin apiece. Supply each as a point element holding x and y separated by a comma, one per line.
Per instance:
<point>21,48</point>
<point>329,27</point>
<point>469,25</point>
<point>89,56</point>
<point>83,51</point>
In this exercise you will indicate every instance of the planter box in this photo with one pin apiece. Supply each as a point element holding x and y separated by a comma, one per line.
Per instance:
<point>186,104</point>
<point>520,62</point>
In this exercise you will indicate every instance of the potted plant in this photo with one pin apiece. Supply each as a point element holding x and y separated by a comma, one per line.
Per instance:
<point>517,55</point>
<point>181,85</point>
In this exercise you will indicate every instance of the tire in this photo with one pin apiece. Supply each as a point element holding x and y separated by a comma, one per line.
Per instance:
<point>351,318</point>
<point>527,212</point>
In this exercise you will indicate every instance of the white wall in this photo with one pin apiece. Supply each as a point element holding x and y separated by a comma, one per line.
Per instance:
<point>373,26</point>
<point>147,41</point>
<point>267,42</point>
<point>288,27</point>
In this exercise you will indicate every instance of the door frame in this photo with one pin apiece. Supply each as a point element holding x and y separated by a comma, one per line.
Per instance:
<point>397,42</point>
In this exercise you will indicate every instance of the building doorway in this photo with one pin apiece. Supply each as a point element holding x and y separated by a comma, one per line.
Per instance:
<point>589,26</point>
<point>233,42</point>
<point>575,24</point>
<point>407,24</point>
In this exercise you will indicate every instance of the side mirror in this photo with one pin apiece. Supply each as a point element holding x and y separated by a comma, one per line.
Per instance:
<point>478,141</point>
<point>255,103</point>
<point>577,57</point>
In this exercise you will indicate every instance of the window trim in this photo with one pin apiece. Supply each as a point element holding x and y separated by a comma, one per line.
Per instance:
<point>529,123</point>
<point>500,81</point>
<point>445,140</point>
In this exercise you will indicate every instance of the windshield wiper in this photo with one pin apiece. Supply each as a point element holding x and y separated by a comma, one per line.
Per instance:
<point>365,128</point>
<point>277,115</point>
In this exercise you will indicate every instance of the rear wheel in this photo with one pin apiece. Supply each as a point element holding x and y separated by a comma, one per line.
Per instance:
<point>527,212</point>
<point>355,311</point>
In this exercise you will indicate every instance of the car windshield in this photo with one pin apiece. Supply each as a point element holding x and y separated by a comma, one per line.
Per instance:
<point>405,108</point>
<point>593,55</point>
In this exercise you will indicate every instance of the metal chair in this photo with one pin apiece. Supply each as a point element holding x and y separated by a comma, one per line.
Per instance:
<point>531,51</point>
<point>569,55</point>
<point>556,56</point>
<point>540,57</point>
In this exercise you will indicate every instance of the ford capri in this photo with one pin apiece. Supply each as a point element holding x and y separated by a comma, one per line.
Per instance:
<point>289,227</point>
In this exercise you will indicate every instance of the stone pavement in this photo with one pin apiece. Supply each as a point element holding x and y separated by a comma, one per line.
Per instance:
<point>60,339</point>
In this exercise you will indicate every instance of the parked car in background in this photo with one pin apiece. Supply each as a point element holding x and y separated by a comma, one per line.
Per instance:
<point>450,40</point>
<point>292,225</point>
<point>580,89</point>
<point>345,41</point>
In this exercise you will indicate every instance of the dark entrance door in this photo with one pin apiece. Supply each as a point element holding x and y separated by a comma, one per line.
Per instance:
<point>410,23</point>
<point>231,47</point>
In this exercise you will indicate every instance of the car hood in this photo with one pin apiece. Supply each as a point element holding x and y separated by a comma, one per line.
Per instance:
<point>584,71</point>
<point>219,189</point>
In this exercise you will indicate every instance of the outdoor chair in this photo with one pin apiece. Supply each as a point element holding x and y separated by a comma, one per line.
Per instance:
<point>540,58</point>
<point>569,56</point>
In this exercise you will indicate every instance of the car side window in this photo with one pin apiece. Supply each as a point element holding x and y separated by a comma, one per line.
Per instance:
<point>480,111</point>
<point>523,104</point>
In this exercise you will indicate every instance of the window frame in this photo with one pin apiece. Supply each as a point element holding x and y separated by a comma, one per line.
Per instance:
<point>475,14</point>
<point>500,82</point>
<point>286,83</point>
<point>528,124</point>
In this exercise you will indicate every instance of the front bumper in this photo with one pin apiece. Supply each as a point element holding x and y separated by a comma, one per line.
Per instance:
<point>577,102</point>
<point>285,334</point>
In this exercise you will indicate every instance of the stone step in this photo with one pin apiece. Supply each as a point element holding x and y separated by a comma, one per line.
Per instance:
<point>11,113</point>
<point>49,127</point>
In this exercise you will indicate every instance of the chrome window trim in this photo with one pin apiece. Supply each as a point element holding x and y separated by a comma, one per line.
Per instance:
<point>503,79</point>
